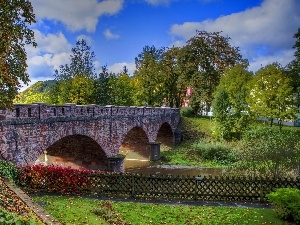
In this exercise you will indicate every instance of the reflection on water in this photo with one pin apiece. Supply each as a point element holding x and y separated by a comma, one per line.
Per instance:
<point>144,166</point>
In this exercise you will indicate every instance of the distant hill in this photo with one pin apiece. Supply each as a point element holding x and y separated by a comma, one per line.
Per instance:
<point>38,92</point>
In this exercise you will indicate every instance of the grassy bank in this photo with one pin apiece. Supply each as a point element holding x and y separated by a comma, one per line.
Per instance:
<point>72,210</point>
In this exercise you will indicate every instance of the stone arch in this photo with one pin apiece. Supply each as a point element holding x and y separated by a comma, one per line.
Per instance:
<point>165,136</point>
<point>134,144</point>
<point>76,151</point>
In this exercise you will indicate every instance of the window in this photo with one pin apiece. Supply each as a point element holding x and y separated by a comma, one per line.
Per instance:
<point>29,112</point>
<point>17,112</point>
<point>63,111</point>
<point>54,111</point>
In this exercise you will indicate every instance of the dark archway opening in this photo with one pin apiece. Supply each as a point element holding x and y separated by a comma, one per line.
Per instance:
<point>135,146</point>
<point>165,137</point>
<point>76,151</point>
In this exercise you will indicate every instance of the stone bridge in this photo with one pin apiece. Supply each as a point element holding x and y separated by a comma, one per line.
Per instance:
<point>88,136</point>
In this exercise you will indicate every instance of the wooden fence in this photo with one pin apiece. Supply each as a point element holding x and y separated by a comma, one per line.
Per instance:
<point>187,188</point>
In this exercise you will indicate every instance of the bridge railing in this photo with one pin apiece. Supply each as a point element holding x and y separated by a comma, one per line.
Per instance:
<point>45,111</point>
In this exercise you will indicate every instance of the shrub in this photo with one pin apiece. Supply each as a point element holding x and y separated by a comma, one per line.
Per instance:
<point>55,178</point>
<point>187,112</point>
<point>287,203</point>
<point>217,152</point>
<point>269,152</point>
<point>8,170</point>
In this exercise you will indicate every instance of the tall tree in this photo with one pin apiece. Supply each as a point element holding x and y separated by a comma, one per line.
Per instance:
<point>101,93</point>
<point>148,76</point>
<point>81,68</point>
<point>15,16</point>
<point>236,83</point>
<point>205,57</point>
<point>293,69</point>
<point>271,94</point>
<point>174,83</point>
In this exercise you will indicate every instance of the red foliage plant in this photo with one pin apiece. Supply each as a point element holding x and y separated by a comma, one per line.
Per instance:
<point>64,180</point>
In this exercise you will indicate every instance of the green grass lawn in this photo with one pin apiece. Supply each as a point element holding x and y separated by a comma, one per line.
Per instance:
<point>79,210</point>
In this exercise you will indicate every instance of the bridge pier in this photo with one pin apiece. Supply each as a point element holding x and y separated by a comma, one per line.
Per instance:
<point>116,163</point>
<point>154,148</point>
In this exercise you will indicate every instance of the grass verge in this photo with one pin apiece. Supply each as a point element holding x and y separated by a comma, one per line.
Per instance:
<point>78,210</point>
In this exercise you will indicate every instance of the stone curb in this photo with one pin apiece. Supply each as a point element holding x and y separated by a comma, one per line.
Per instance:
<point>44,216</point>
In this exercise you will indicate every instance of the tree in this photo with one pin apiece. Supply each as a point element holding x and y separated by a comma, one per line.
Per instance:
<point>81,69</point>
<point>205,57</point>
<point>101,94</point>
<point>148,76</point>
<point>271,94</point>
<point>222,114</point>
<point>236,84</point>
<point>174,84</point>
<point>15,16</point>
<point>293,69</point>
<point>122,89</point>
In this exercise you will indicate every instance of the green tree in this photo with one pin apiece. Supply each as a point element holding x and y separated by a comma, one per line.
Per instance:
<point>101,93</point>
<point>122,89</point>
<point>205,57</point>
<point>222,114</point>
<point>236,84</point>
<point>293,69</point>
<point>271,94</point>
<point>81,69</point>
<point>15,16</point>
<point>148,76</point>
<point>174,83</point>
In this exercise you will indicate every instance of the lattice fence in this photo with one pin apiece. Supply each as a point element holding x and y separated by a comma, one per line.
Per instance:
<point>187,188</point>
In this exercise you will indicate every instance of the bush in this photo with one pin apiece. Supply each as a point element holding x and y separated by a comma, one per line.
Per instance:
<point>287,203</point>
<point>8,170</point>
<point>217,152</point>
<point>187,112</point>
<point>55,178</point>
<point>269,152</point>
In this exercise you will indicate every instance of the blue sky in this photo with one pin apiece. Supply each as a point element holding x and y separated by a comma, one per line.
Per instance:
<point>117,30</point>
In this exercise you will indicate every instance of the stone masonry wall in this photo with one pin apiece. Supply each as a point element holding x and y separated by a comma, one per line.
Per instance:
<point>28,130</point>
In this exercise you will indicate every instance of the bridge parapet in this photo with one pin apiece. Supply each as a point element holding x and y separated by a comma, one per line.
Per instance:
<point>44,111</point>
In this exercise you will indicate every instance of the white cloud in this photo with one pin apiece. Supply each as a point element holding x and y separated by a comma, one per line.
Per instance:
<point>76,14</point>
<point>118,67</point>
<point>262,30</point>
<point>109,35</point>
<point>52,51</point>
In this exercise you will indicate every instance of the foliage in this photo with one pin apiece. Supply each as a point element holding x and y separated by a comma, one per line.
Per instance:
<point>205,57</point>
<point>8,170</point>
<point>148,78</point>
<point>287,203</point>
<point>222,114</point>
<point>54,179</point>
<point>122,89</point>
<point>70,210</point>
<point>187,112</point>
<point>102,91</point>
<point>75,80</point>
<point>11,203</point>
<point>13,218</point>
<point>218,152</point>
<point>235,121</point>
<point>266,151</point>
<point>271,94</point>
<point>38,92</point>
<point>15,18</point>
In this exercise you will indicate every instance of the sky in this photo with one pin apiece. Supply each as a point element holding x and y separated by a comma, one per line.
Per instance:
<point>117,30</point>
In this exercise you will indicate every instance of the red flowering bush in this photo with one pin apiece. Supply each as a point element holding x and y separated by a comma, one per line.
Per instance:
<point>52,178</point>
